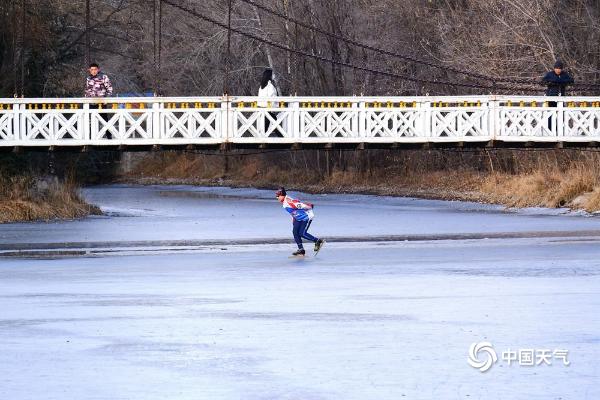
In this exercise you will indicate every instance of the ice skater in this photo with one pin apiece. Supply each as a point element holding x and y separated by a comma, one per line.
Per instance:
<point>302,215</point>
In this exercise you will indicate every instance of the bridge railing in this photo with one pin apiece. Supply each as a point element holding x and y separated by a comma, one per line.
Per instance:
<point>215,120</point>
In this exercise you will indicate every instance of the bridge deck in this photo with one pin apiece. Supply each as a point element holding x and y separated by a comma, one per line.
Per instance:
<point>298,122</point>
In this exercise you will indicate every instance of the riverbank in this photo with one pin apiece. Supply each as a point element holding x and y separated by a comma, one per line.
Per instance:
<point>553,179</point>
<point>26,198</point>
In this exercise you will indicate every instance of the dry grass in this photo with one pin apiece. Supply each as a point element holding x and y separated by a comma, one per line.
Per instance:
<point>592,201</point>
<point>545,188</point>
<point>512,178</point>
<point>29,199</point>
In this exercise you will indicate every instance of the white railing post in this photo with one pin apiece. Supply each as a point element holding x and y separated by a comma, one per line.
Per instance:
<point>53,124</point>
<point>191,125</point>
<point>157,130</point>
<point>354,109</point>
<point>425,114</point>
<point>80,125</point>
<point>87,128</point>
<point>22,123</point>
<point>362,118</point>
<point>498,125</point>
<point>226,119</point>
<point>16,123</point>
<point>122,121</point>
<point>295,120</point>
<point>560,118</point>
<point>494,117</point>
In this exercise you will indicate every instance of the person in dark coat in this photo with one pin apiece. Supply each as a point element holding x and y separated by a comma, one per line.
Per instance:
<point>557,80</point>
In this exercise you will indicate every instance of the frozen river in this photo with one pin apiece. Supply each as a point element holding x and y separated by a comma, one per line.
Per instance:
<point>188,293</point>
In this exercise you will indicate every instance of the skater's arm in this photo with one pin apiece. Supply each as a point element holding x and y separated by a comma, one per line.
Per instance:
<point>304,206</point>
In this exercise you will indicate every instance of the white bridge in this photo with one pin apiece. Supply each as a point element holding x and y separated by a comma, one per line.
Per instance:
<point>298,121</point>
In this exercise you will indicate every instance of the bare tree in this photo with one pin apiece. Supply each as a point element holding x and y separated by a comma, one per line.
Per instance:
<point>501,39</point>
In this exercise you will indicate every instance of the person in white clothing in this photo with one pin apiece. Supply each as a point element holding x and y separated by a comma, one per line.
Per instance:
<point>266,93</point>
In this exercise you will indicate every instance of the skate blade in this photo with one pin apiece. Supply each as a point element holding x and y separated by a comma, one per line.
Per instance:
<point>320,248</point>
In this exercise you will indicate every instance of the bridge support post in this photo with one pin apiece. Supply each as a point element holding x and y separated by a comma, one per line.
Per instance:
<point>226,129</point>
<point>225,150</point>
<point>52,161</point>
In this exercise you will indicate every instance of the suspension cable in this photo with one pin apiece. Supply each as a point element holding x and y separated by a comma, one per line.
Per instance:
<point>23,23</point>
<point>87,34</point>
<point>522,81</point>
<point>373,48</point>
<point>14,49</point>
<point>154,49</point>
<point>159,69</point>
<point>228,59</point>
<point>199,15</point>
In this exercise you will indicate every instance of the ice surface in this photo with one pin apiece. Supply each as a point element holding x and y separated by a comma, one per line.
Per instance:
<point>188,213</point>
<point>364,320</point>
